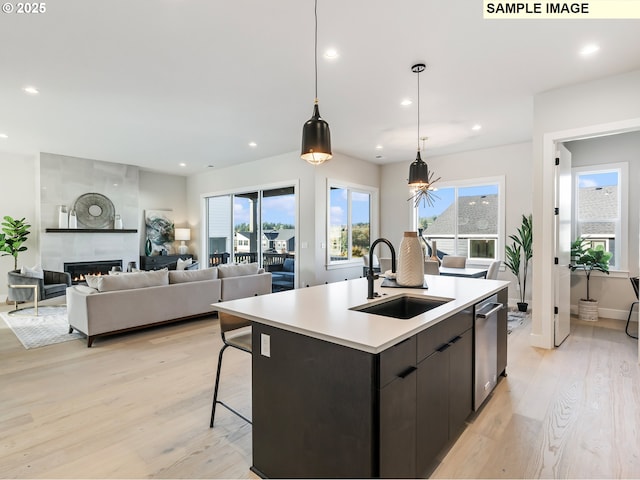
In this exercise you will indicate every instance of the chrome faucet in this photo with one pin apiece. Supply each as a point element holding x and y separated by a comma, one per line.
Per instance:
<point>371,276</point>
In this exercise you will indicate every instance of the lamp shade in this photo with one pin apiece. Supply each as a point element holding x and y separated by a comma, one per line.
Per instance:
<point>316,139</point>
<point>183,234</point>
<point>418,173</point>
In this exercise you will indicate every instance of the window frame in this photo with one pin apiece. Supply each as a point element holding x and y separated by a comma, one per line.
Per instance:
<point>373,193</point>
<point>467,183</point>
<point>621,230</point>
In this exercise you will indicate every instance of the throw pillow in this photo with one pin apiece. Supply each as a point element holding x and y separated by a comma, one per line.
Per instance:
<point>34,272</point>
<point>183,276</point>
<point>226,270</point>
<point>182,264</point>
<point>92,280</point>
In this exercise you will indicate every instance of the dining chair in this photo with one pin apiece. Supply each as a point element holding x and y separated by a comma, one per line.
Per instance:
<point>236,333</point>
<point>634,284</point>
<point>376,264</point>
<point>385,264</point>
<point>492,272</point>
<point>431,267</point>
<point>454,261</point>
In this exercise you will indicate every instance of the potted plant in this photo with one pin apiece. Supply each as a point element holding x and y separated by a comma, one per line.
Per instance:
<point>518,255</point>
<point>588,258</point>
<point>14,234</point>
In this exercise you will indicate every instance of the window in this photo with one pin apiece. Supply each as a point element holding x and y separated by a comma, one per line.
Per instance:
<point>349,222</point>
<point>466,219</point>
<point>600,207</point>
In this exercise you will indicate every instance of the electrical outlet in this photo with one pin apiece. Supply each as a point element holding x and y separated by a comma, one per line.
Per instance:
<point>265,345</point>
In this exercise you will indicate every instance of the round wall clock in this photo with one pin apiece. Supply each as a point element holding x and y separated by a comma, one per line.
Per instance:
<point>94,210</point>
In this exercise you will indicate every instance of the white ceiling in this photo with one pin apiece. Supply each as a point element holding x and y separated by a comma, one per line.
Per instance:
<point>158,82</point>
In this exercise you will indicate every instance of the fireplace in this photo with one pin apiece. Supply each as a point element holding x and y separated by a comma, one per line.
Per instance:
<point>78,270</point>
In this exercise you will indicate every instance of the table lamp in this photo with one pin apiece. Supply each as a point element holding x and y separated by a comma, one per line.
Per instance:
<point>183,234</point>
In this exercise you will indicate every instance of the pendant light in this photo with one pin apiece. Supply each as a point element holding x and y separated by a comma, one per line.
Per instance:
<point>316,137</point>
<point>419,176</point>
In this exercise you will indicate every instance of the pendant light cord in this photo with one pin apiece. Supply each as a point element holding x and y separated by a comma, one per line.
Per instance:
<point>315,45</point>
<point>418,110</point>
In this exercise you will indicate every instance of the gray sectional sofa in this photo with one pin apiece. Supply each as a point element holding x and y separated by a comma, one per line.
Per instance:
<point>116,303</point>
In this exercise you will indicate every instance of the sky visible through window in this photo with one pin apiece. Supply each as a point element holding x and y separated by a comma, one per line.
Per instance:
<point>604,179</point>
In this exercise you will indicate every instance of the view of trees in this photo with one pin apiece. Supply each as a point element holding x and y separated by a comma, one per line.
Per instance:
<point>244,227</point>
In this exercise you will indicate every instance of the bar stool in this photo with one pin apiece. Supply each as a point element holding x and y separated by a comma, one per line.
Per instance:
<point>236,333</point>
<point>634,283</point>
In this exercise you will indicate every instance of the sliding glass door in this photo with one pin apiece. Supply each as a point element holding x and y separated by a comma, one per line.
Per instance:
<point>257,226</point>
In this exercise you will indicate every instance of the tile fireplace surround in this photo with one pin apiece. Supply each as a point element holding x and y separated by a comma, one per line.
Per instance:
<point>62,180</point>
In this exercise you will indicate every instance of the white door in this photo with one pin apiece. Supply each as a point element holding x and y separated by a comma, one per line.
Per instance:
<point>562,277</point>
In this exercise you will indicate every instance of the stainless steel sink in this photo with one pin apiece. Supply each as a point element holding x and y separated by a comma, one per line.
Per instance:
<point>402,306</point>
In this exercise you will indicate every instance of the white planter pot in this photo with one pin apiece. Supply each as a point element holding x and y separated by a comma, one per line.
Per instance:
<point>588,310</point>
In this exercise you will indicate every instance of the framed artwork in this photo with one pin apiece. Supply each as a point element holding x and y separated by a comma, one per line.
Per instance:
<point>160,230</point>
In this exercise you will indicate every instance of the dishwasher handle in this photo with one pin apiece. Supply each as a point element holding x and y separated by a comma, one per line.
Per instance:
<point>496,308</point>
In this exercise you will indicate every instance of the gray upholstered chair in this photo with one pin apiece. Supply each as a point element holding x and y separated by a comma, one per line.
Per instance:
<point>54,284</point>
<point>431,267</point>
<point>236,333</point>
<point>376,264</point>
<point>492,273</point>
<point>454,261</point>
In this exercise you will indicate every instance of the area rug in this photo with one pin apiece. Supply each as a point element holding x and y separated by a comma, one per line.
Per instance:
<point>49,327</point>
<point>516,319</point>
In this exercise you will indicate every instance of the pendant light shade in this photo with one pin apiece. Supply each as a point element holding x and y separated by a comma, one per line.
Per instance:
<point>418,172</point>
<point>316,137</point>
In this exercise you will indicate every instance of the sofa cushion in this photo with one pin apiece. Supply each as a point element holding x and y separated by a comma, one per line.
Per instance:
<point>240,270</point>
<point>182,264</point>
<point>112,283</point>
<point>85,289</point>
<point>182,276</point>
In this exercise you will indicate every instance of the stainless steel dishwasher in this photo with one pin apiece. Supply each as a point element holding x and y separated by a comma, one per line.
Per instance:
<point>486,349</point>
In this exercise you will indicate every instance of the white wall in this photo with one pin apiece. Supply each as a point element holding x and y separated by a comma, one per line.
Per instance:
<point>18,189</point>
<point>312,201</point>
<point>159,191</point>
<point>511,161</point>
<point>578,111</point>
<point>614,293</point>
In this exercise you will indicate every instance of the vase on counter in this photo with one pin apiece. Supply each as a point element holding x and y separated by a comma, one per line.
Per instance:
<point>73,219</point>
<point>434,252</point>
<point>63,216</point>
<point>410,271</point>
<point>117,222</point>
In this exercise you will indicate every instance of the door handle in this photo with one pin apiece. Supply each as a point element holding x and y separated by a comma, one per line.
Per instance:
<point>454,340</point>
<point>443,347</point>
<point>407,372</point>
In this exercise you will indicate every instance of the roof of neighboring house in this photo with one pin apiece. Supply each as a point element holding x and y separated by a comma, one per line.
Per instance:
<point>597,210</point>
<point>477,215</point>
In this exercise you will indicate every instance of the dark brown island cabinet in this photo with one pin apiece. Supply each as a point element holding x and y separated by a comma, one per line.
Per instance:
<point>322,410</point>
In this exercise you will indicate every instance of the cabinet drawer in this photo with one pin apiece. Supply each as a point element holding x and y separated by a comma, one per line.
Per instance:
<point>397,361</point>
<point>442,333</point>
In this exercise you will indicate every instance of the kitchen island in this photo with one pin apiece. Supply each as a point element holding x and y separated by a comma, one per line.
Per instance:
<point>338,392</point>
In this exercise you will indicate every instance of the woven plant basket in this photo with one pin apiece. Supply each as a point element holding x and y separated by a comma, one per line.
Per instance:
<point>588,310</point>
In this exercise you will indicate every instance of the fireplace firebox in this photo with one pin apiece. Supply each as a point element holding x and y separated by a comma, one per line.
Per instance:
<point>78,270</point>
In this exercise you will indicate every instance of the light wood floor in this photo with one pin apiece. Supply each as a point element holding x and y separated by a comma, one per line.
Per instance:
<point>138,406</point>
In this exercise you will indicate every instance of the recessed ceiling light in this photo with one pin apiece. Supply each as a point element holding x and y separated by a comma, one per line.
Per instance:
<point>115,184</point>
<point>589,49</point>
<point>406,102</point>
<point>182,164</point>
<point>476,127</point>
<point>379,147</point>
<point>331,54</point>
<point>31,90</point>
<point>253,144</point>
<point>4,135</point>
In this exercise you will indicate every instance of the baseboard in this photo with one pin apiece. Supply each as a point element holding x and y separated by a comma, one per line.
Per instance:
<point>612,313</point>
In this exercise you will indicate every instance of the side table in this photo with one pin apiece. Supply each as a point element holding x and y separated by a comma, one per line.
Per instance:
<point>35,295</point>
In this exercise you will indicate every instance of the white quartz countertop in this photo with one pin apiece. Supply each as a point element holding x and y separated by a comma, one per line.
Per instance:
<point>323,311</point>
